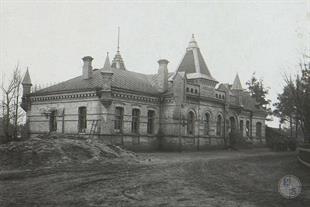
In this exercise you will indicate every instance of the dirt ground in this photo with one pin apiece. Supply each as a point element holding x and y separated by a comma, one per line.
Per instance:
<point>218,178</point>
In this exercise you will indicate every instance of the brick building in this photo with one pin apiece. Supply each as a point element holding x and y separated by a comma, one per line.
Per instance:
<point>186,109</point>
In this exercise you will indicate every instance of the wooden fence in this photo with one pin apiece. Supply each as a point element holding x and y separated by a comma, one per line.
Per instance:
<point>304,155</point>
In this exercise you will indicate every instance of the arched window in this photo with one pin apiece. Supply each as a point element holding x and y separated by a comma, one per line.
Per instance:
<point>135,121</point>
<point>150,121</point>
<point>82,119</point>
<point>118,121</point>
<point>232,124</point>
<point>247,128</point>
<point>207,124</point>
<point>190,123</point>
<point>219,125</point>
<point>258,129</point>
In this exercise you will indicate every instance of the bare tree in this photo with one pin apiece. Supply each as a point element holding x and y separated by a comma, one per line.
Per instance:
<point>294,101</point>
<point>11,93</point>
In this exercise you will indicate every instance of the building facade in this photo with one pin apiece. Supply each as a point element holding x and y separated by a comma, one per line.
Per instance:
<point>184,110</point>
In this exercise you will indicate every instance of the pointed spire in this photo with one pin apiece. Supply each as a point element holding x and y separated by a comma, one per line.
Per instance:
<point>107,64</point>
<point>118,34</point>
<point>27,80</point>
<point>237,84</point>
<point>118,62</point>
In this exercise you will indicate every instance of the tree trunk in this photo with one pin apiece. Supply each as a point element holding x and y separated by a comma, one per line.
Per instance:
<point>7,118</point>
<point>291,125</point>
<point>296,128</point>
<point>307,132</point>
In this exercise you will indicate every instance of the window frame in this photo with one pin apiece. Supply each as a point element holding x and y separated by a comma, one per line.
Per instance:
<point>219,127</point>
<point>150,121</point>
<point>82,119</point>
<point>191,123</point>
<point>119,119</point>
<point>135,121</point>
<point>206,123</point>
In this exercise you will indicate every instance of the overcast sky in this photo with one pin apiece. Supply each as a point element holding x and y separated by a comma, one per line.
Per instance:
<point>51,37</point>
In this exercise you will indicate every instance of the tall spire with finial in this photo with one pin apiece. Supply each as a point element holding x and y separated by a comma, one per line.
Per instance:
<point>118,62</point>
<point>118,33</point>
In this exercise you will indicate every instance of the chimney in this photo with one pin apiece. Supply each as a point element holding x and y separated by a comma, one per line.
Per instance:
<point>87,67</point>
<point>163,75</point>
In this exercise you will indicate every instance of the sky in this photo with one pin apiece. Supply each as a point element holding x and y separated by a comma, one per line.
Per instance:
<point>51,37</point>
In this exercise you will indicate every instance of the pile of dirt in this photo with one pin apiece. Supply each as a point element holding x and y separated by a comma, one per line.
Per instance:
<point>53,150</point>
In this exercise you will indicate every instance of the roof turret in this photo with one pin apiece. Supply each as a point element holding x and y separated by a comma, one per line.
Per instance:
<point>193,63</point>
<point>237,84</point>
<point>26,80</point>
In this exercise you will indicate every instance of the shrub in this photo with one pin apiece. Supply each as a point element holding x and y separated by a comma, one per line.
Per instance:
<point>278,141</point>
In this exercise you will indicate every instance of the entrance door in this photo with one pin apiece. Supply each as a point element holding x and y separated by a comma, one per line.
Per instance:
<point>53,121</point>
<point>232,124</point>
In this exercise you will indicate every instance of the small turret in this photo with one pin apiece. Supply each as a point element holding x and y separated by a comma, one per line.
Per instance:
<point>26,83</point>
<point>237,89</point>
<point>105,91</point>
<point>237,84</point>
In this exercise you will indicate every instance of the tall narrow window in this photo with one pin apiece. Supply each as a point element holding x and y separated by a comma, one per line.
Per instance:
<point>150,121</point>
<point>118,121</point>
<point>135,121</point>
<point>232,122</point>
<point>207,124</point>
<point>219,125</point>
<point>82,119</point>
<point>53,121</point>
<point>258,129</point>
<point>241,127</point>
<point>190,123</point>
<point>247,128</point>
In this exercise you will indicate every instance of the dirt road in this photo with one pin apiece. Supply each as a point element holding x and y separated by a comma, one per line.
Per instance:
<point>219,178</point>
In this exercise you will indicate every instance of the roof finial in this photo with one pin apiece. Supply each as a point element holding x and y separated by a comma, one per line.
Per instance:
<point>118,34</point>
<point>192,43</point>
